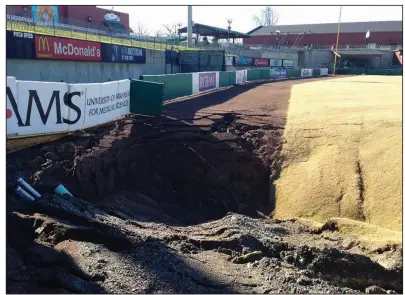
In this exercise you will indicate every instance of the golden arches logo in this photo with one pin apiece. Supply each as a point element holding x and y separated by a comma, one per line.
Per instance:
<point>45,44</point>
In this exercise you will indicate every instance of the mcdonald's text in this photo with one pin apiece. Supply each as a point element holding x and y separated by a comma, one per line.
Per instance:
<point>49,47</point>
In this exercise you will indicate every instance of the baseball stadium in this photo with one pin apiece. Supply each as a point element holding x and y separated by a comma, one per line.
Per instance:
<point>265,162</point>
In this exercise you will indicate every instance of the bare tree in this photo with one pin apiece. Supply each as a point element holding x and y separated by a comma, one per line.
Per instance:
<point>268,17</point>
<point>158,33</point>
<point>171,30</point>
<point>140,30</point>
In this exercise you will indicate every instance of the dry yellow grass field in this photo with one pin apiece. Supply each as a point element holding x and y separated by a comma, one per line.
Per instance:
<point>343,152</point>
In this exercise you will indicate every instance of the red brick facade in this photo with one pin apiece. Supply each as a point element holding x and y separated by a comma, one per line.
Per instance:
<point>81,13</point>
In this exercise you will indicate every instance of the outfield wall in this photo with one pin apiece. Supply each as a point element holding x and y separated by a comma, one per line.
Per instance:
<point>86,71</point>
<point>38,108</point>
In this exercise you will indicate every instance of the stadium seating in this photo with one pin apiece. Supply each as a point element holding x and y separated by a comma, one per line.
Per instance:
<point>25,24</point>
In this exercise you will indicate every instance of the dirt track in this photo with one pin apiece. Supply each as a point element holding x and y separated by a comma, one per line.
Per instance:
<point>146,178</point>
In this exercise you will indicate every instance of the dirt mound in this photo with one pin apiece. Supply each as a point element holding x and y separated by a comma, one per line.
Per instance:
<point>61,245</point>
<point>190,175</point>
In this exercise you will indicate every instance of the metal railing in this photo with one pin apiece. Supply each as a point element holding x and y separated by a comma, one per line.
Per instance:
<point>359,47</point>
<point>236,48</point>
<point>18,20</point>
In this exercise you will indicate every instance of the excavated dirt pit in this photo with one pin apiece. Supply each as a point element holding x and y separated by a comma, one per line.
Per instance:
<point>170,205</point>
<point>187,175</point>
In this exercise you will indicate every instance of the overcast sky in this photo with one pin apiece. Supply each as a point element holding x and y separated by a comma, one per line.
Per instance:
<point>153,17</point>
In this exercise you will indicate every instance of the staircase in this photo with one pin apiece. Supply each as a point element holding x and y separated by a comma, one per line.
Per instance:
<point>398,54</point>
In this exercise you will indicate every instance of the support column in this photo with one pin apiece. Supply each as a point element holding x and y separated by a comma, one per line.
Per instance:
<point>190,27</point>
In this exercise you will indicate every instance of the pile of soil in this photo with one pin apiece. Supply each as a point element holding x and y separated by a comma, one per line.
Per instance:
<point>65,245</point>
<point>175,204</point>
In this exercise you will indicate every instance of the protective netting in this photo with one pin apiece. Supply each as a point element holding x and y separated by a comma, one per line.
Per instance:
<point>201,61</point>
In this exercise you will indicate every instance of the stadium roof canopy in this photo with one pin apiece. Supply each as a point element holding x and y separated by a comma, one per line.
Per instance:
<point>329,28</point>
<point>204,30</point>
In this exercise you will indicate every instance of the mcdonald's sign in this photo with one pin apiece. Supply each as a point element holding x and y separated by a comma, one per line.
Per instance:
<point>260,62</point>
<point>43,49</point>
<point>49,47</point>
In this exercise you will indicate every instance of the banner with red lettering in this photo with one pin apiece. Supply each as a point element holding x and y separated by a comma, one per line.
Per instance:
<point>261,62</point>
<point>49,47</point>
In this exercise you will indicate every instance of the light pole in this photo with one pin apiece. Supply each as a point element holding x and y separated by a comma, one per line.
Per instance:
<point>229,28</point>
<point>367,36</point>
<point>337,41</point>
<point>190,27</point>
<point>178,30</point>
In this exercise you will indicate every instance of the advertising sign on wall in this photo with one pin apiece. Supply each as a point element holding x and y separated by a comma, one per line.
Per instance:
<point>277,63</point>
<point>49,47</point>
<point>102,102</point>
<point>324,71</point>
<point>306,72</point>
<point>204,81</point>
<point>288,63</point>
<point>241,77</point>
<point>243,61</point>
<point>47,14</point>
<point>11,105</point>
<point>47,107</point>
<point>261,62</point>
<point>20,45</point>
<point>123,54</point>
<point>207,81</point>
<point>40,107</point>
<point>278,73</point>
<point>228,60</point>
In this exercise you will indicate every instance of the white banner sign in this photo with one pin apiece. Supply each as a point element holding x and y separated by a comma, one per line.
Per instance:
<point>35,107</point>
<point>12,103</point>
<point>41,107</point>
<point>306,72</point>
<point>115,100</point>
<point>84,96</point>
<point>204,81</point>
<point>276,63</point>
<point>228,60</point>
<point>288,63</point>
<point>324,71</point>
<point>241,77</point>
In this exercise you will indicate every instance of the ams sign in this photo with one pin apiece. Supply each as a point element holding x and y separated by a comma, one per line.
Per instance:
<point>44,113</point>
